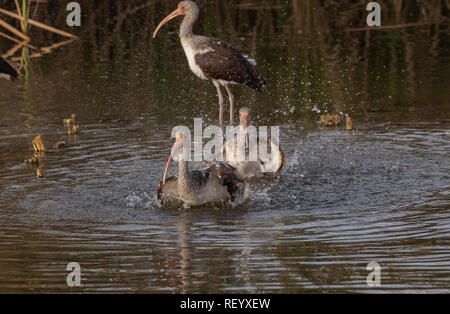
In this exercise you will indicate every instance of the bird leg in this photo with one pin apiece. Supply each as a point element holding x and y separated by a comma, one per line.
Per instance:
<point>231,97</point>
<point>219,92</point>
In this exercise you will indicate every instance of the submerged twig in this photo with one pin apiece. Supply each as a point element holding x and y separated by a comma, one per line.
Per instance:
<point>14,30</point>
<point>12,51</point>
<point>22,43</point>
<point>45,50</point>
<point>59,144</point>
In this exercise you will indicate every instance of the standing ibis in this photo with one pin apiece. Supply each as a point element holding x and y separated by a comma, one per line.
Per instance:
<point>213,59</point>
<point>218,183</point>
<point>233,149</point>
<point>7,71</point>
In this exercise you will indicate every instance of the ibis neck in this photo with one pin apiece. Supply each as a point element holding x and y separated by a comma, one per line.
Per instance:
<point>187,24</point>
<point>183,172</point>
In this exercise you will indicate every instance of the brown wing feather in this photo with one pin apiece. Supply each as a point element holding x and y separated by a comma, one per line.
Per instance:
<point>231,179</point>
<point>226,63</point>
<point>167,190</point>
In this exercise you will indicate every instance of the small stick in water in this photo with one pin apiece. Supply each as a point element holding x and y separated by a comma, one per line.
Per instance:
<point>40,173</point>
<point>74,129</point>
<point>59,144</point>
<point>337,119</point>
<point>330,119</point>
<point>38,144</point>
<point>69,121</point>
<point>32,160</point>
<point>348,123</point>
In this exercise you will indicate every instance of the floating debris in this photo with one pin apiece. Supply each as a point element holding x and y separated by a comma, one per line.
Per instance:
<point>348,123</point>
<point>39,152</point>
<point>74,129</point>
<point>40,173</point>
<point>59,144</point>
<point>337,119</point>
<point>331,119</point>
<point>32,160</point>
<point>69,121</point>
<point>38,144</point>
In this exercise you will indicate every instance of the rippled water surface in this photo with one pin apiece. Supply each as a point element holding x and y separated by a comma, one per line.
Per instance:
<point>379,193</point>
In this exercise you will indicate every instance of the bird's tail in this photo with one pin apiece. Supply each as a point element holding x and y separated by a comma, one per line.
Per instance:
<point>261,84</point>
<point>257,83</point>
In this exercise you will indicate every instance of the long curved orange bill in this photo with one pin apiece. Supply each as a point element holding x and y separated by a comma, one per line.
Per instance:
<point>172,15</point>
<point>167,168</point>
<point>175,149</point>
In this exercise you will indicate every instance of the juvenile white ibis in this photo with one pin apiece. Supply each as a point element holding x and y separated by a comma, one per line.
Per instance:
<point>7,71</point>
<point>219,183</point>
<point>213,59</point>
<point>247,168</point>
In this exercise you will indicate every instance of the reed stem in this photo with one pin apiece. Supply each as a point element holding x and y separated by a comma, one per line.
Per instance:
<point>24,16</point>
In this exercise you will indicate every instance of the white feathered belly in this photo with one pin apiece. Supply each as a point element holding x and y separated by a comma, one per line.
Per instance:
<point>190,54</point>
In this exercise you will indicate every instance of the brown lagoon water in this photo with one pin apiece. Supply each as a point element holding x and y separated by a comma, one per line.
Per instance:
<point>380,193</point>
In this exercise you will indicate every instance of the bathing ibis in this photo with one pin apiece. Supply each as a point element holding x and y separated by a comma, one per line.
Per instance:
<point>213,59</point>
<point>218,183</point>
<point>252,168</point>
